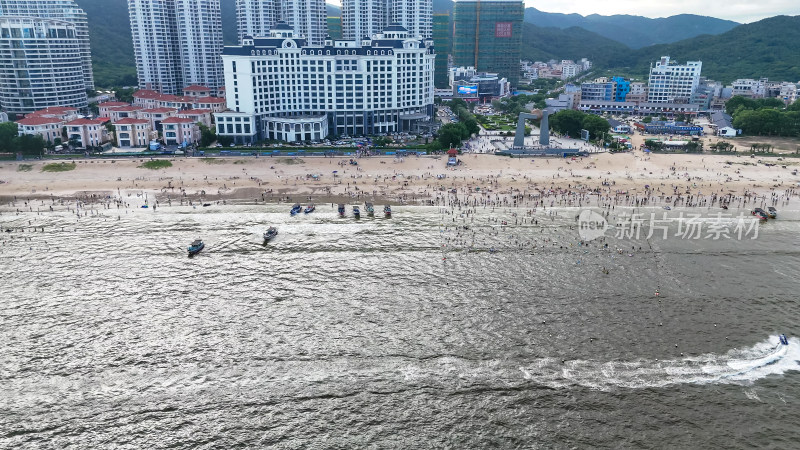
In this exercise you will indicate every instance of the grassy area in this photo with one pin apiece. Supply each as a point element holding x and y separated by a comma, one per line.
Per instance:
<point>213,160</point>
<point>58,167</point>
<point>24,167</point>
<point>290,161</point>
<point>240,161</point>
<point>156,164</point>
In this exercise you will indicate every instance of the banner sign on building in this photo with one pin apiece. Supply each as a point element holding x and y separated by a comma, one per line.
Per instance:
<point>468,90</point>
<point>502,29</point>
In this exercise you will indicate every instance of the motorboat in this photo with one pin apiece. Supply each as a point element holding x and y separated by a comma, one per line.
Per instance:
<point>784,340</point>
<point>271,233</point>
<point>196,247</point>
<point>772,212</point>
<point>356,212</point>
<point>309,209</point>
<point>760,213</point>
<point>370,209</point>
<point>296,209</point>
<point>387,211</point>
<point>341,210</point>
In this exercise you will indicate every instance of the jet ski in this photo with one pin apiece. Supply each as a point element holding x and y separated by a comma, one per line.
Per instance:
<point>783,339</point>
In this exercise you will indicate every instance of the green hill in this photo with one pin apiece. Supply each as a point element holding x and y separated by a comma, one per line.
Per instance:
<point>110,37</point>
<point>544,43</point>
<point>767,48</point>
<point>634,31</point>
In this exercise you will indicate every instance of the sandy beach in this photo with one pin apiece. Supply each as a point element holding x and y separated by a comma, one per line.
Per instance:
<point>412,180</point>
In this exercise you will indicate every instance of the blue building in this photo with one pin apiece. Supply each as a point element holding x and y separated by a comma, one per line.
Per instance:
<point>621,88</point>
<point>680,128</point>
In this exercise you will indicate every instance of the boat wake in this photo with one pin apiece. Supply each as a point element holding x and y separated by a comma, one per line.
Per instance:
<point>737,366</point>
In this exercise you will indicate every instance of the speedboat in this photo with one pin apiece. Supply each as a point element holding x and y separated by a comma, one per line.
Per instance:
<point>296,209</point>
<point>341,210</point>
<point>370,209</point>
<point>760,213</point>
<point>772,212</point>
<point>356,212</point>
<point>196,247</point>
<point>271,233</point>
<point>783,339</point>
<point>309,209</point>
<point>387,211</point>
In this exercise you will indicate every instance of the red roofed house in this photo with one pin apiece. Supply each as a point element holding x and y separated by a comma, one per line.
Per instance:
<point>56,112</point>
<point>196,91</point>
<point>178,130</point>
<point>133,132</point>
<point>123,112</point>
<point>48,127</point>
<point>176,101</point>
<point>146,98</point>
<point>106,107</point>
<point>197,115</point>
<point>215,104</point>
<point>89,132</point>
<point>156,116</point>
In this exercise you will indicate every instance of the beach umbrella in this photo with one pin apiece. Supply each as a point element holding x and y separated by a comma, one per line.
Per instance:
<point>334,173</point>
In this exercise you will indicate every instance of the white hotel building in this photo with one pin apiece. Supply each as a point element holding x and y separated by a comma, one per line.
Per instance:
<point>673,83</point>
<point>279,88</point>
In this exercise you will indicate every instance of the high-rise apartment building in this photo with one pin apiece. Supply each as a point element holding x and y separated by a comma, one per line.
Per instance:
<point>66,10</point>
<point>256,17</point>
<point>177,43</point>
<point>415,15</point>
<point>307,18</point>
<point>487,35</point>
<point>673,83</point>
<point>363,18</point>
<point>40,64</point>
<point>442,41</point>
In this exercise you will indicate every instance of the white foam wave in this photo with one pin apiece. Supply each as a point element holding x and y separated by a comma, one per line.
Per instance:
<point>738,365</point>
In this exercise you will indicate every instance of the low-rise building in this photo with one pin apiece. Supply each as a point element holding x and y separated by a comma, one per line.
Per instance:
<point>156,116</point>
<point>471,85</point>
<point>197,115</point>
<point>196,91</point>
<point>132,132</point>
<point>50,128</point>
<point>680,128</point>
<point>123,112</point>
<point>65,114</point>
<point>88,132</point>
<point>180,131</point>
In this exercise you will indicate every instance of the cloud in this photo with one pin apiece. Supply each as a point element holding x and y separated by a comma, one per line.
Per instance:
<point>743,11</point>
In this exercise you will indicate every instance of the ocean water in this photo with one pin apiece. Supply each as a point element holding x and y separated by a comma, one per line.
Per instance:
<point>409,332</point>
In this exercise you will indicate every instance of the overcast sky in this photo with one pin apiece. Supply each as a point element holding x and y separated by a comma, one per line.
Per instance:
<point>743,11</point>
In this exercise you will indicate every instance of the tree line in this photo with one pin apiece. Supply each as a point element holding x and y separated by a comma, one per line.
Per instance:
<point>12,142</point>
<point>765,116</point>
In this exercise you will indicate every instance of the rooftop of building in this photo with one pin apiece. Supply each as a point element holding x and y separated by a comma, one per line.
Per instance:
<point>96,121</point>
<point>38,120</point>
<point>111,104</point>
<point>54,110</point>
<point>131,121</point>
<point>195,88</point>
<point>194,112</point>
<point>210,100</point>
<point>721,120</point>
<point>158,110</point>
<point>177,120</point>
